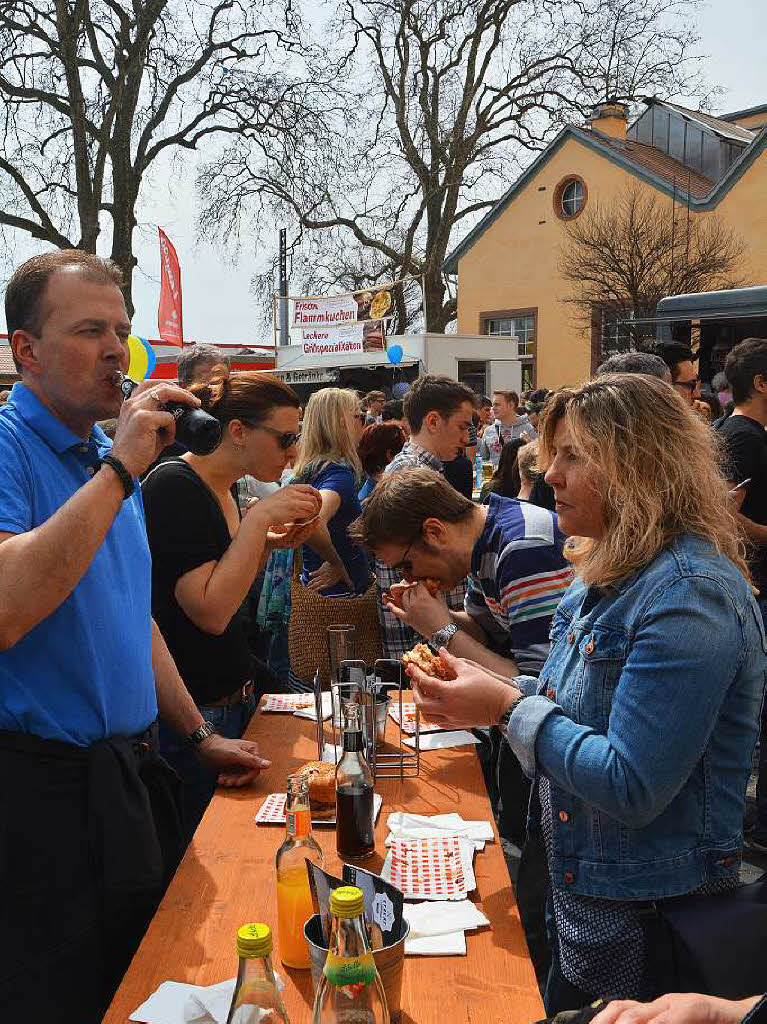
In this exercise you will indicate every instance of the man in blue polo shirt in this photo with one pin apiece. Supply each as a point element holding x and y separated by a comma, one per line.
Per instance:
<point>90,832</point>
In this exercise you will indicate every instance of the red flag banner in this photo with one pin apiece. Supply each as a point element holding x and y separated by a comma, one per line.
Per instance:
<point>169,316</point>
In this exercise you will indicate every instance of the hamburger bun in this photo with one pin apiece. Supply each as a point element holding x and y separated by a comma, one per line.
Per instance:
<point>433,586</point>
<point>423,657</point>
<point>322,787</point>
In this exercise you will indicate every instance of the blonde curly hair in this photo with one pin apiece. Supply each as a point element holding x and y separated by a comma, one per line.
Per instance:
<point>656,465</point>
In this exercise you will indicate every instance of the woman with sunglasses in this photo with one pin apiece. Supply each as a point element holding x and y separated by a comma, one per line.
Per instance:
<point>205,556</point>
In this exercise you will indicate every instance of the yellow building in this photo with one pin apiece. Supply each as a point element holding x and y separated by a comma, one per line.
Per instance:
<point>508,282</point>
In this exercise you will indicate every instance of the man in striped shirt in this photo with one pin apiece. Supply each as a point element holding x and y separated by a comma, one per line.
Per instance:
<point>511,552</point>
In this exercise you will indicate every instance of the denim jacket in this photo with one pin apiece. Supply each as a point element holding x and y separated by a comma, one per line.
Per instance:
<point>644,720</point>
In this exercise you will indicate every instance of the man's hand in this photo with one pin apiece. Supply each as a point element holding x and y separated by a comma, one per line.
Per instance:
<point>237,761</point>
<point>473,698</point>
<point>677,1008</point>
<point>144,428</point>
<point>414,605</point>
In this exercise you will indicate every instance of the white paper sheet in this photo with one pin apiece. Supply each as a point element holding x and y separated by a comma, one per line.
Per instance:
<point>440,740</point>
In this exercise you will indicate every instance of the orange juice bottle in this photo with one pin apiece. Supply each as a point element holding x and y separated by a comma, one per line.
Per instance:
<point>294,900</point>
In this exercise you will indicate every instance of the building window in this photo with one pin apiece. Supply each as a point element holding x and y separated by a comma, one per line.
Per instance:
<point>521,327</point>
<point>473,374</point>
<point>616,333</point>
<point>570,197</point>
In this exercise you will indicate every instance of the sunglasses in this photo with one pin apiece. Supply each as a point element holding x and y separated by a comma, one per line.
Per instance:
<point>284,440</point>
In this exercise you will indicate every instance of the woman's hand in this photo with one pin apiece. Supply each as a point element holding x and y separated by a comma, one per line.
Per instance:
<point>677,1008</point>
<point>328,574</point>
<point>293,505</point>
<point>290,537</point>
<point>473,698</point>
<point>413,604</point>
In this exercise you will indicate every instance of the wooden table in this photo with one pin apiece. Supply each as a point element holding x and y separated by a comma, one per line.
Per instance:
<point>227,878</point>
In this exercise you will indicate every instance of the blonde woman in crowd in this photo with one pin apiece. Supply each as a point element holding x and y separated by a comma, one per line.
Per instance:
<point>639,731</point>
<point>328,460</point>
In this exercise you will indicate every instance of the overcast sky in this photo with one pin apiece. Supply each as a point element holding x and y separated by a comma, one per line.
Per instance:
<point>217,301</point>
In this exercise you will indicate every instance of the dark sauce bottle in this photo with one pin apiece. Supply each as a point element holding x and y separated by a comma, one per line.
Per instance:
<point>354,792</point>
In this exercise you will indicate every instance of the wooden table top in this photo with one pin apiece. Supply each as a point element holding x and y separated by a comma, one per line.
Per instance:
<point>227,878</point>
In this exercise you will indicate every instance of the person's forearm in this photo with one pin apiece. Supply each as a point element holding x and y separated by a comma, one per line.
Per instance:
<point>469,625</point>
<point>233,574</point>
<point>321,543</point>
<point>464,646</point>
<point>174,701</point>
<point>41,568</point>
<point>755,532</point>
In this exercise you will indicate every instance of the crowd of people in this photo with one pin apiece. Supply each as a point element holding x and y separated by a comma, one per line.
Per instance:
<point>599,618</point>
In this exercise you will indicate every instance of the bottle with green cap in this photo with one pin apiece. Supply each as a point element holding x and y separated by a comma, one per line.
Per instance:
<point>350,991</point>
<point>256,999</point>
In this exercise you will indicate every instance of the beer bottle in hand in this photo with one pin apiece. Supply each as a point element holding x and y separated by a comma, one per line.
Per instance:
<point>354,792</point>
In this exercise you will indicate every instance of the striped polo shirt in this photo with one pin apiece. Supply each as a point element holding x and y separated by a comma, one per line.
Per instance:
<point>518,575</point>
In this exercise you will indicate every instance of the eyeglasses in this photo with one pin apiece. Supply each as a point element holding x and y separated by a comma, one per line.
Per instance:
<point>285,439</point>
<point>689,385</point>
<point>360,416</point>
<point>405,566</point>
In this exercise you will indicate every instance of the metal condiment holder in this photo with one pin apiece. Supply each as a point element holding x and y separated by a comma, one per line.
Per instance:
<point>350,680</point>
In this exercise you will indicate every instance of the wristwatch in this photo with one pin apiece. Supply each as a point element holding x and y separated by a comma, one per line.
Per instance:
<point>503,721</point>
<point>443,636</point>
<point>201,733</point>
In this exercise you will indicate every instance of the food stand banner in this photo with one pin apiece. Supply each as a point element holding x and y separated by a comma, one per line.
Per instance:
<point>311,311</point>
<point>169,313</point>
<point>346,340</point>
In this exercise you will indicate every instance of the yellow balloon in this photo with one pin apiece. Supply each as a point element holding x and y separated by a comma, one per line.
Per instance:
<point>141,358</point>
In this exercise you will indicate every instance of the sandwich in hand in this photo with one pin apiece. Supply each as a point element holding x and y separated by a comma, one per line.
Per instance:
<point>423,657</point>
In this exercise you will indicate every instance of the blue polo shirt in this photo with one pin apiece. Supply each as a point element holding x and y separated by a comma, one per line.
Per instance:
<point>85,672</point>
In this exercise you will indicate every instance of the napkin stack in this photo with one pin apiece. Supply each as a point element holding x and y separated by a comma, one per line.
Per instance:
<point>175,1002</point>
<point>438,928</point>
<point>311,712</point>
<point>423,826</point>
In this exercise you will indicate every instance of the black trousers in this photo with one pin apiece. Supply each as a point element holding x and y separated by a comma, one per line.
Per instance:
<point>89,839</point>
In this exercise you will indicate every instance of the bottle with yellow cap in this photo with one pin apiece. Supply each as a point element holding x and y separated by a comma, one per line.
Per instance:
<point>256,999</point>
<point>350,991</point>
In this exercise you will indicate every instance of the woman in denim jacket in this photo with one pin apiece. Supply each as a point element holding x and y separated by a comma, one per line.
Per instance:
<point>640,730</point>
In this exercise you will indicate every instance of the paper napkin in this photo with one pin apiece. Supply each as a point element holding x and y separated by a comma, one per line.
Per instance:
<point>440,740</point>
<point>437,929</point>
<point>422,826</point>
<point>311,713</point>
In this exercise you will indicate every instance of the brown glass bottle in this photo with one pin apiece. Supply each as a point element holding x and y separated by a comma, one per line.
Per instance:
<point>354,792</point>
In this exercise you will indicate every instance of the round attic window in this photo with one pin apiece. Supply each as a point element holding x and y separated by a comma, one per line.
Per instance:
<point>570,197</point>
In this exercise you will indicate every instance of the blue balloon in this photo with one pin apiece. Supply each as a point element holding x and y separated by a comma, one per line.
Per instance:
<point>395,354</point>
<point>400,389</point>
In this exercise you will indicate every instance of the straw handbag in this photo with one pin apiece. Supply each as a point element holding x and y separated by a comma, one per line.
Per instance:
<point>310,616</point>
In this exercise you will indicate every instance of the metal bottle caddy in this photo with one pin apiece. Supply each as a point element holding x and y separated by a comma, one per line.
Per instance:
<point>350,680</point>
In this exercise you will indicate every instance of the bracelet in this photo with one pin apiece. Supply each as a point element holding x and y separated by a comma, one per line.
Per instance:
<point>125,478</point>
<point>503,721</point>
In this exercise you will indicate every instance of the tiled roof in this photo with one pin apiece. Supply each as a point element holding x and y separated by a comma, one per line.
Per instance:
<point>660,163</point>
<point>6,360</point>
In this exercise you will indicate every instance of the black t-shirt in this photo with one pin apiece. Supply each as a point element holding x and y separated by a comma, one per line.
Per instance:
<point>459,473</point>
<point>746,444</point>
<point>186,528</point>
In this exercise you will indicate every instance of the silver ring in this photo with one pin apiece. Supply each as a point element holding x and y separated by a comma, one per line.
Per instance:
<point>153,394</point>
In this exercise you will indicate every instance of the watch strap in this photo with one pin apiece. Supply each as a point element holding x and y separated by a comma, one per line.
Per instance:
<point>442,637</point>
<point>201,733</point>
<point>125,478</point>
